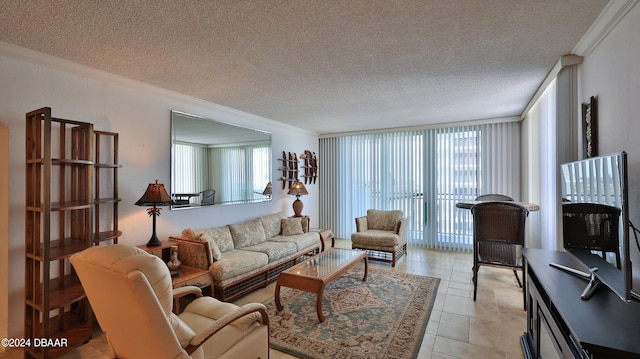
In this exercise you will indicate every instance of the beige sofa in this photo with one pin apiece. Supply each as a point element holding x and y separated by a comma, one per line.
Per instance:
<point>245,256</point>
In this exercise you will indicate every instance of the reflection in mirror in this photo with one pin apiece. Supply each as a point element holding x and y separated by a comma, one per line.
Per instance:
<point>600,180</point>
<point>214,163</point>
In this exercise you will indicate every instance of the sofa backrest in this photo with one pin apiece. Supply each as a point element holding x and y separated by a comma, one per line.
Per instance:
<point>271,223</point>
<point>248,233</point>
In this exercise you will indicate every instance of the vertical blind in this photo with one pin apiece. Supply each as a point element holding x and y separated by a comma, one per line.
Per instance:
<point>424,173</point>
<point>238,181</point>
<point>191,168</point>
<point>240,177</point>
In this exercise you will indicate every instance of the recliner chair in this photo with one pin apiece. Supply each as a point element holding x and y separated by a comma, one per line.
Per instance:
<point>132,297</point>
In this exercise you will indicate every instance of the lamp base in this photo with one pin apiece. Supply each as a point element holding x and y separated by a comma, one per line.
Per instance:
<point>297,208</point>
<point>154,241</point>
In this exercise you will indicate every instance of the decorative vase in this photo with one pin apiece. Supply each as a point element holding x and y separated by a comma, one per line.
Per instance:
<point>174,262</point>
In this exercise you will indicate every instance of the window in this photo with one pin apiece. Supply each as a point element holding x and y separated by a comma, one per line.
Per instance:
<point>423,173</point>
<point>194,168</point>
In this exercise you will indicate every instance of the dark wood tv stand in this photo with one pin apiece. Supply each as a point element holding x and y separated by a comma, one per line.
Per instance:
<point>562,324</point>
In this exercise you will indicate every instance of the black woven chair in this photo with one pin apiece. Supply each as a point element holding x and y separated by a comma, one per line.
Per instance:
<point>592,226</point>
<point>498,233</point>
<point>493,197</point>
<point>208,197</point>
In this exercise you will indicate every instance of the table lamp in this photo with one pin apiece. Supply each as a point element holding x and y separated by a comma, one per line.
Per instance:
<point>268,190</point>
<point>155,196</point>
<point>297,189</point>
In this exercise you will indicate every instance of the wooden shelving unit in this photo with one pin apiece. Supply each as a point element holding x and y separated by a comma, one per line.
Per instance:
<point>106,188</point>
<point>59,223</point>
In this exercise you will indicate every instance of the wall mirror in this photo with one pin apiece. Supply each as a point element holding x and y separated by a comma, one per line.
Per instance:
<point>214,163</point>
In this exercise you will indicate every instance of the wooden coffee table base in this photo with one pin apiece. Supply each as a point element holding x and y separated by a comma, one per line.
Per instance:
<point>297,277</point>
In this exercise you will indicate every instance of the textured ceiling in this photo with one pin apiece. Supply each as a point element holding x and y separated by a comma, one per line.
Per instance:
<point>323,65</point>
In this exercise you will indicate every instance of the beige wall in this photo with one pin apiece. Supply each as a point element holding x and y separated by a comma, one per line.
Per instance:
<point>611,72</point>
<point>141,115</point>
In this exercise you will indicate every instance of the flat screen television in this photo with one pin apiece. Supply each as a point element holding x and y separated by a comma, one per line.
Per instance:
<point>602,180</point>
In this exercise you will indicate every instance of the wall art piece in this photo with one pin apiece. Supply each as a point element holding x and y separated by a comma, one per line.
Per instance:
<point>589,127</point>
<point>289,169</point>
<point>310,166</point>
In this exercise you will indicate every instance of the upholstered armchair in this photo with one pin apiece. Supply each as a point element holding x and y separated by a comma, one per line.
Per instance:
<point>132,297</point>
<point>383,234</point>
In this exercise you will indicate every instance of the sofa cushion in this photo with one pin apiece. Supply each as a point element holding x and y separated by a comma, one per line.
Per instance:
<point>221,235</point>
<point>304,242</point>
<point>214,250</point>
<point>383,220</point>
<point>271,223</point>
<point>274,250</point>
<point>291,226</point>
<point>237,262</point>
<point>248,233</point>
<point>374,237</point>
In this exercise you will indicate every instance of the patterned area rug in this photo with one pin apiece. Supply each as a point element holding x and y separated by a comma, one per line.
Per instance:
<point>384,317</point>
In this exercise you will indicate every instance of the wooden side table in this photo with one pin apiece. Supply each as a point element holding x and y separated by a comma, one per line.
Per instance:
<point>325,234</point>
<point>187,275</point>
<point>162,251</point>
<point>200,278</point>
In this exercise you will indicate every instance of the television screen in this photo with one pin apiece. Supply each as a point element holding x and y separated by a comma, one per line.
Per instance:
<point>601,181</point>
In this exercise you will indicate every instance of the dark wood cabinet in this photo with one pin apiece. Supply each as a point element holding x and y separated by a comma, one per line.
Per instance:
<point>561,325</point>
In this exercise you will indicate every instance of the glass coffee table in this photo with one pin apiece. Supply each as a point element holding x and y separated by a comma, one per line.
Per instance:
<point>316,272</point>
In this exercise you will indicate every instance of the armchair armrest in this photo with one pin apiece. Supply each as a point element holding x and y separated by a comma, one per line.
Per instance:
<point>182,292</point>
<point>226,320</point>
<point>361,224</point>
<point>186,290</point>
<point>401,229</point>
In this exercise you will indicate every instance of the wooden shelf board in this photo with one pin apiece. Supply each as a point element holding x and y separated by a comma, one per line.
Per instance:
<point>106,236</point>
<point>59,298</point>
<point>62,206</point>
<point>107,200</point>
<point>70,206</point>
<point>59,251</point>
<point>107,165</point>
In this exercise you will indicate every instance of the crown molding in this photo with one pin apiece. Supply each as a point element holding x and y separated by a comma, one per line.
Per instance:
<point>610,16</point>
<point>223,113</point>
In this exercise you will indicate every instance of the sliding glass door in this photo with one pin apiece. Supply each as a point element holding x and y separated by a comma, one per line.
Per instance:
<point>424,173</point>
<point>453,167</point>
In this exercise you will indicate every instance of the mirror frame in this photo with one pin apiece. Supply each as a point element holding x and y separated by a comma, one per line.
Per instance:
<point>216,137</point>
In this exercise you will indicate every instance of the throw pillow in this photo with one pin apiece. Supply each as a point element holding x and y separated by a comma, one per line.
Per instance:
<point>188,233</point>
<point>214,251</point>
<point>271,223</point>
<point>222,236</point>
<point>291,226</point>
<point>248,233</point>
<point>305,223</point>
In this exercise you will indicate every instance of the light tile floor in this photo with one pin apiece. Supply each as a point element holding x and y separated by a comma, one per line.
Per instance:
<point>458,328</point>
